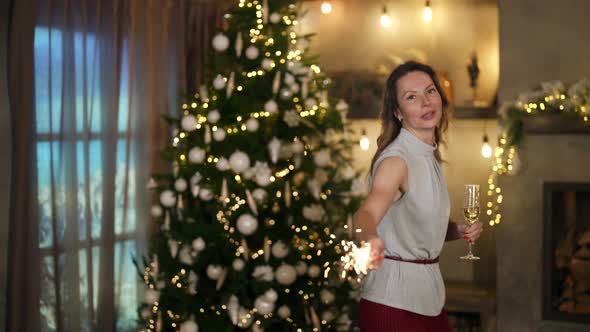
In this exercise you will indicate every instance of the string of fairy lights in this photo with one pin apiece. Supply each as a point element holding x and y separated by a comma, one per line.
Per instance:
<point>554,98</point>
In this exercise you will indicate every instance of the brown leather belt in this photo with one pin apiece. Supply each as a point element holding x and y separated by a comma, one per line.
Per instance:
<point>417,261</point>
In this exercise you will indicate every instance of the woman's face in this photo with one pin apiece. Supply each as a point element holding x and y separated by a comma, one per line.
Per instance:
<point>419,100</point>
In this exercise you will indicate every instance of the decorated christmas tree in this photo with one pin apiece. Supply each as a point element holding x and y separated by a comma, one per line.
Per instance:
<point>261,191</point>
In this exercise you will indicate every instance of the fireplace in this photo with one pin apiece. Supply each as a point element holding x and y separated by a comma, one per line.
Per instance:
<point>566,252</point>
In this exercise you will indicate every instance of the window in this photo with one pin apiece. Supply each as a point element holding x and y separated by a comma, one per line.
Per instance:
<point>70,114</point>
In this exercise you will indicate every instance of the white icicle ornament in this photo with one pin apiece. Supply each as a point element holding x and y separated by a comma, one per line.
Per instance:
<point>274,147</point>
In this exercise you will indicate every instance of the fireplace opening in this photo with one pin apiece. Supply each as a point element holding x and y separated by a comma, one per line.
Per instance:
<point>566,250</point>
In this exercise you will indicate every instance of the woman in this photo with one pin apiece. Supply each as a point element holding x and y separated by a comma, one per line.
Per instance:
<point>405,217</point>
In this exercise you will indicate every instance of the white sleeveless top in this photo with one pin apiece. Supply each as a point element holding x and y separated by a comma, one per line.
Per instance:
<point>414,228</point>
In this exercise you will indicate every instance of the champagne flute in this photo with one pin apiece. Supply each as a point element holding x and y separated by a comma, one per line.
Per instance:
<point>471,212</point>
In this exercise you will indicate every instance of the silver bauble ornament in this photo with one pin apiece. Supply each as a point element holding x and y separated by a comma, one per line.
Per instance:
<point>198,244</point>
<point>196,155</point>
<point>239,161</point>
<point>285,274</point>
<point>189,122</point>
<point>252,52</point>
<point>205,194</point>
<point>213,116</point>
<point>238,264</point>
<point>219,135</point>
<point>247,224</point>
<point>156,211</point>
<point>284,312</point>
<point>222,164</point>
<point>267,63</point>
<point>280,250</point>
<point>219,82</point>
<point>167,198</point>
<point>220,42</point>
<point>252,125</point>
<point>314,271</point>
<point>263,307</point>
<point>275,18</point>
<point>271,106</point>
<point>214,271</point>
<point>180,185</point>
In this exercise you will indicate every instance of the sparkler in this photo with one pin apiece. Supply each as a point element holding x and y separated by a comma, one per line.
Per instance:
<point>355,258</point>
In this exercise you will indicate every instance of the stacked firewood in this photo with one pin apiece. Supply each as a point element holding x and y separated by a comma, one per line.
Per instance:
<point>573,259</point>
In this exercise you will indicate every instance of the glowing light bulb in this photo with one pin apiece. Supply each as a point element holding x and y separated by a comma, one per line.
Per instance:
<point>385,19</point>
<point>365,143</point>
<point>427,13</point>
<point>326,7</point>
<point>486,149</point>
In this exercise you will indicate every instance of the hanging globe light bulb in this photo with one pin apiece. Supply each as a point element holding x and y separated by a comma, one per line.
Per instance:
<point>326,7</point>
<point>486,149</point>
<point>385,19</point>
<point>365,143</point>
<point>427,12</point>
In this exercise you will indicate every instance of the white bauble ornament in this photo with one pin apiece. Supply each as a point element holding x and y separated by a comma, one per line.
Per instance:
<point>196,155</point>
<point>219,135</point>
<point>189,326</point>
<point>285,274</point>
<point>274,147</point>
<point>199,244</point>
<point>271,295</point>
<point>184,256</point>
<point>219,82</point>
<point>263,307</point>
<point>341,106</point>
<point>156,211</point>
<point>275,18</point>
<point>301,268</point>
<point>214,271</point>
<point>248,174</point>
<point>238,264</point>
<point>286,93</point>
<point>151,296</point>
<point>328,316</point>
<point>280,250</point>
<point>310,103</point>
<point>327,297</point>
<point>167,198</point>
<point>146,313</point>
<point>271,106</point>
<point>213,116</point>
<point>239,161</point>
<point>222,164</point>
<point>314,271</point>
<point>292,118</point>
<point>267,63</point>
<point>180,185</point>
<point>247,224</point>
<point>189,122</point>
<point>252,52</point>
<point>294,88</point>
<point>284,312</point>
<point>263,180</point>
<point>322,158</point>
<point>220,42</point>
<point>289,79</point>
<point>252,125</point>
<point>203,92</point>
<point>297,147</point>
<point>205,194</point>
<point>259,195</point>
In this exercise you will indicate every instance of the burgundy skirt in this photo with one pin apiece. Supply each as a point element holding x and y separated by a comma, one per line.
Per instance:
<point>375,317</point>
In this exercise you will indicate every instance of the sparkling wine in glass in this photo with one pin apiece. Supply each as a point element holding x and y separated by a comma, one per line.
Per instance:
<point>471,212</point>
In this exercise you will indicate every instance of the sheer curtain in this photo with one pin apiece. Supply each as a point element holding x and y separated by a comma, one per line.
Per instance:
<point>88,83</point>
